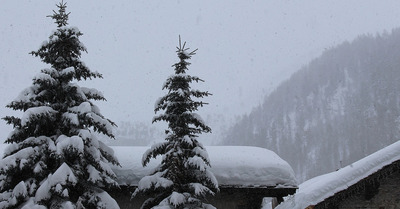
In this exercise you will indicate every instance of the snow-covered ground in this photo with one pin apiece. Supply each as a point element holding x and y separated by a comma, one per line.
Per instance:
<point>231,165</point>
<point>319,188</point>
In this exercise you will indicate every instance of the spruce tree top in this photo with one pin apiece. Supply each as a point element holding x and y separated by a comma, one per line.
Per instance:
<point>178,103</point>
<point>61,18</point>
<point>53,87</point>
<point>64,49</point>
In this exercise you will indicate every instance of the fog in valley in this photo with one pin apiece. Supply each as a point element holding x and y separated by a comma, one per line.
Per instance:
<point>301,78</point>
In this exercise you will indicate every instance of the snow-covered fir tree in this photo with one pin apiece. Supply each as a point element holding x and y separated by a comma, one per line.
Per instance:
<point>54,159</point>
<point>183,178</point>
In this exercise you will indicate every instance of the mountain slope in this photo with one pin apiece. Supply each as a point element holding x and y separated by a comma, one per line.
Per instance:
<point>339,108</point>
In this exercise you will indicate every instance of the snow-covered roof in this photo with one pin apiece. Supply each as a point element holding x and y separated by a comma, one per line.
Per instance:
<point>231,165</point>
<point>317,189</point>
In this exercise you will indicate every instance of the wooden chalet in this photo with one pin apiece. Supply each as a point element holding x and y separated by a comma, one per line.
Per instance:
<point>370,183</point>
<point>245,174</point>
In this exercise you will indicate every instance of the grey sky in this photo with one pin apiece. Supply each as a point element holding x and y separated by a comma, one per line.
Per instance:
<point>245,47</point>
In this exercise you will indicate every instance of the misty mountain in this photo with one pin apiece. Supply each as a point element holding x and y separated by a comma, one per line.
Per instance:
<point>340,107</point>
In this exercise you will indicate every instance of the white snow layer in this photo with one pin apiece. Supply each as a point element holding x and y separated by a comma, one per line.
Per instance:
<point>107,201</point>
<point>62,176</point>
<point>35,111</point>
<point>74,143</point>
<point>321,187</point>
<point>231,165</point>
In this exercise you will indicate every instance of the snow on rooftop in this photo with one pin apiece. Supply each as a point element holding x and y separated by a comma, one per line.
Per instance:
<point>231,165</point>
<point>317,189</point>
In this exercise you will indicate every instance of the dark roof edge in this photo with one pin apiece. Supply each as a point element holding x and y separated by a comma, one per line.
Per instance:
<point>369,183</point>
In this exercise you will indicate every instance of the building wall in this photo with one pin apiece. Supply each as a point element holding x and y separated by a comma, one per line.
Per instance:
<point>220,201</point>
<point>227,198</point>
<point>387,195</point>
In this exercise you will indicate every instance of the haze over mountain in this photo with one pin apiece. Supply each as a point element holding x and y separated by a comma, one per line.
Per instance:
<point>340,107</point>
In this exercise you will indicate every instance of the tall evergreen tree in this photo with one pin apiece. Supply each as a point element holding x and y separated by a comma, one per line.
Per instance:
<point>54,160</point>
<point>183,178</point>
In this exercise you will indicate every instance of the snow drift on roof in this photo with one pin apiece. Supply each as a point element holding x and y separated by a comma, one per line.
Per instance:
<point>231,165</point>
<point>319,188</point>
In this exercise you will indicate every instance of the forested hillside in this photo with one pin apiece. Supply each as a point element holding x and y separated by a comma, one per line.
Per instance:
<point>339,108</point>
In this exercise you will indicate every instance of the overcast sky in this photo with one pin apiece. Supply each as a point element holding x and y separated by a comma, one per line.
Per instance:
<point>246,48</point>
